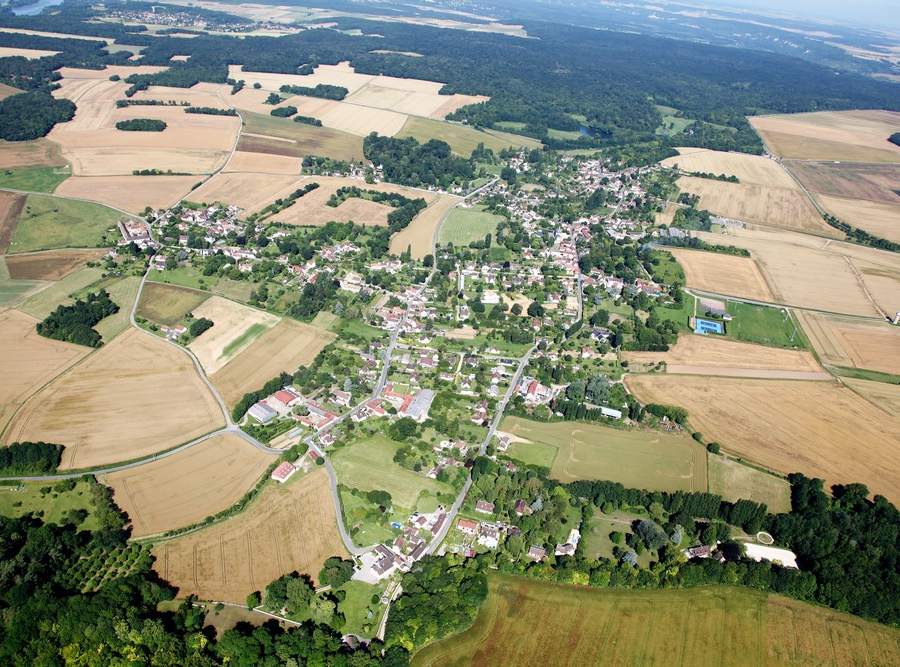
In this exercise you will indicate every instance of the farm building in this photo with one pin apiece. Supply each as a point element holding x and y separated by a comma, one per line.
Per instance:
<point>283,472</point>
<point>262,412</point>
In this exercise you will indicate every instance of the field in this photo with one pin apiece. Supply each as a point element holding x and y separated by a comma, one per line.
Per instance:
<point>733,481</point>
<point>822,429</point>
<point>848,342</point>
<point>641,459</point>
<point>14,292</point>
<point>260,163</point>
<point>129,193</point>
<point>133,397</point>
<point>283,348</point>
<point>462,138</point>
<point>464,225</point>
<point>785,207</point>
<point>852,136</point>
<point>28,54</point>
<point>749,169</point>
<point>50,265</point>
<point>17,501</point>
<point>723,274</point>
<point>290,527</point>
<point>419,236</point>
<point>167,304</point>
<point>10,207</point>
<point>28,361</point>
<point>368,465</point>
<point>59,293</point>
<point>284,137</point>
<point>249,191</point>
<point>524,620</point>
<point>876,218</point>
<point>49,222</point>
<point>762,324</point>
<point>122,292</point>
<point>37,153</point>
<point>34,179</point>
<point>871,182</point>
<point>231,321</point>
<point>186,488</point>
<point>713,352</point>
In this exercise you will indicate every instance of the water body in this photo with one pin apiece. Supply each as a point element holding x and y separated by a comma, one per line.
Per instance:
<point>35,8</point>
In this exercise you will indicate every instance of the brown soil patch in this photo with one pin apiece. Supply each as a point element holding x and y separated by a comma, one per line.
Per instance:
<point>188,487</point>
<point>867,344</point>
<point>420,234</point>
<point>133,397</point>
<point>283,348</point>
<point>28,361</point>
<point>291,527</point>
<point>37,153</point>
<point>821,429</point>
<point>50,265</point>
<point>129,193</point>
<point>723,274</point>
<point>717,353</point>
<point>11,205</point>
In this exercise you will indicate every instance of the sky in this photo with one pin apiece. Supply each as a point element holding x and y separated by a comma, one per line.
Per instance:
<point>877,13</point>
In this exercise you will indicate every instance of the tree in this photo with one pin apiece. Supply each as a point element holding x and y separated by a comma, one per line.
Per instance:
<point>336,571</point>
<point>516,309</point>
<point>323,609</point>
<point>535,309</point>
<point>253,600</point>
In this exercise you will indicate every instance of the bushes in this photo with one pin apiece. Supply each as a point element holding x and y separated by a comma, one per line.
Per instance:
<point>141,125</point>
<point>308,120</point>
<point>199,326</point>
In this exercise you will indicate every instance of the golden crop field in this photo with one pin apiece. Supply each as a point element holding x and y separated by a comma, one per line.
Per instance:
<point>784,207</point>
<point>463,139</point>
<point>234,329</point>
<point>29,54</point>
<point>883,395</point>
<point>283,348</point>
<point>36,153</point>
<point>723,274</point>
<point>419,236</point>
<point>133,397</point>
<point>820,428</point>
<point>871,182</point>
<point>129,193</point>
<point>187,487</point>
<point>28,361</point>
<point>848,342</point>
<point>749,169</point>
<point>847,136</point>
<point>259,163</point>
<point>290,527</point>
<point>200,95</point>
<point>250,192</point>
<point>875,217</point>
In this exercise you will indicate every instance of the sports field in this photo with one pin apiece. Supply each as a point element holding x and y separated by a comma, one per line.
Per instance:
<point>50,222</point>
<point>133,397</point>
<point>289,527</point>
<point>869,344</point>
<point>820,428</point>
<point>368,465</point>
<point>234,329</point>
<point>167,304</point>
<point>641,459</point>
<point>419,236</point>
<point>186,488</point>
<point>524,621</point>
<point>283,348</point>
<point>464,225</point>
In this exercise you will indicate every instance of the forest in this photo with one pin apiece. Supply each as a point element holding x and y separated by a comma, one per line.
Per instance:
<point>407,162</point>
<point>321,90</point>
<point>30,458</point>
<point>141,125</point>
<point>32,115</point>
<point>72,324</point>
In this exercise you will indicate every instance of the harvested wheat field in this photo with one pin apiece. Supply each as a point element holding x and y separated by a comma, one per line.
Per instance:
<point>362,121</point>
<point>37,153</point>
<point>252,191</point>
<point>853,343</point>
<point>189,486</point>
<point>235,328</point>
<point>133,397</point>
<point>786,207</point>
<point>852,136</point>
<point>11,205</point>
<point>259,163</point>
<point>872,182</point>
<point>802,270</point>
<point>409,96</point>
<point>50,265</point>
<point>822,429</point>
<point>28,361</point>
<point>419,236</point>
<point>722,274</point>
<point>283,348</point>
<point>57,35</point>
<point>28,54</point>
<point>876,218</point>
<point>749,169</point>
<point>714,353</point>
<point>883,395</point>
<point>129,193</point>
<point>290,527</point>
<point>200,95</point>
<point>283,137</point>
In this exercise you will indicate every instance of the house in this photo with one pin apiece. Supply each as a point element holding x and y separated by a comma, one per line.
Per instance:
<point>702,551</point>
<point>484,507</point>
<point>521,508</point>
<point>566,549</point>
<point>341,398</point>
<point>262,412</point>
<point>489,536</point>
<point>283,472</point>
<point>467,526</point>
<point>537,553</point>
<point>436,528</point>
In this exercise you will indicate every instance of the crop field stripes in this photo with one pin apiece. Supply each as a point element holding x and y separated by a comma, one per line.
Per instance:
<point>222,558</point>
<point>249,544</point>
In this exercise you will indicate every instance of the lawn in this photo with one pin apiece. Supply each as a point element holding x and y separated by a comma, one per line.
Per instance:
<point>51,222</point>
<point>167,304</point>
<point>734,480</point>
<point>761,324</point>
<point>45,302</point>
<point>464,225</point>
<point>16,501</point>
<point>34,179</point>
<point>357,606</point>
<point>192,277</point>
<point>668,270</point>
<point>533,453</point>
<point>361,329</point>
<point>123,293</point>
<point>681,315</point>
<point>639,459</point>
<point>462,138</point>
<point>672,123</point>
<point>368,465</point>
<point>524,621</point>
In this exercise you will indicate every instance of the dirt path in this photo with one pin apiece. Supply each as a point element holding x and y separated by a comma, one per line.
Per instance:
<point>767,374</point>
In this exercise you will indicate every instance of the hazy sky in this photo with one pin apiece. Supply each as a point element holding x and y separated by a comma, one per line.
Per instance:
<point>878,13</point>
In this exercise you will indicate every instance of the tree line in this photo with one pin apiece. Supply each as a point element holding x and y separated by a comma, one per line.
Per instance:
<point>141,125</point>
<point>321,90</point>
<point>30,458</point>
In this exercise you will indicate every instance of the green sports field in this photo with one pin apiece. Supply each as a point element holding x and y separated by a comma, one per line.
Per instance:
<point>464,225</point>
<point>527,622</point>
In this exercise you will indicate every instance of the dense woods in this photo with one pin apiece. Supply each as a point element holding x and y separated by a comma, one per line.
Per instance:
<point>407,162</point>
<point>322,90</point>
<point>32,115</point>
<point>30,458</point>
<point>895,138</point>
<point>141,125</point>
<point>72,324</point>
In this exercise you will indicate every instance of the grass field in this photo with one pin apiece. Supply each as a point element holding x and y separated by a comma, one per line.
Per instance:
<point>49,222</point>
<point>14,292</point>
<point>235,327</point>
<point>464,225</point>
<point>11,205</point>
<point>723,274</point>
<point>368,465</point>
<point>18,500</point>
<point>34,179</point>
<point>290,527</point>
<point>733,481</point>
<point>133,397</point>
<point>46,301</point>
<point>167,304</point>
<point>820,428</point>
<point>463,139</point>
<point>186,488</point>
<point>760,324</point>
<point>640,459</point>
<point>122,292</point>
<point>523,621</point>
